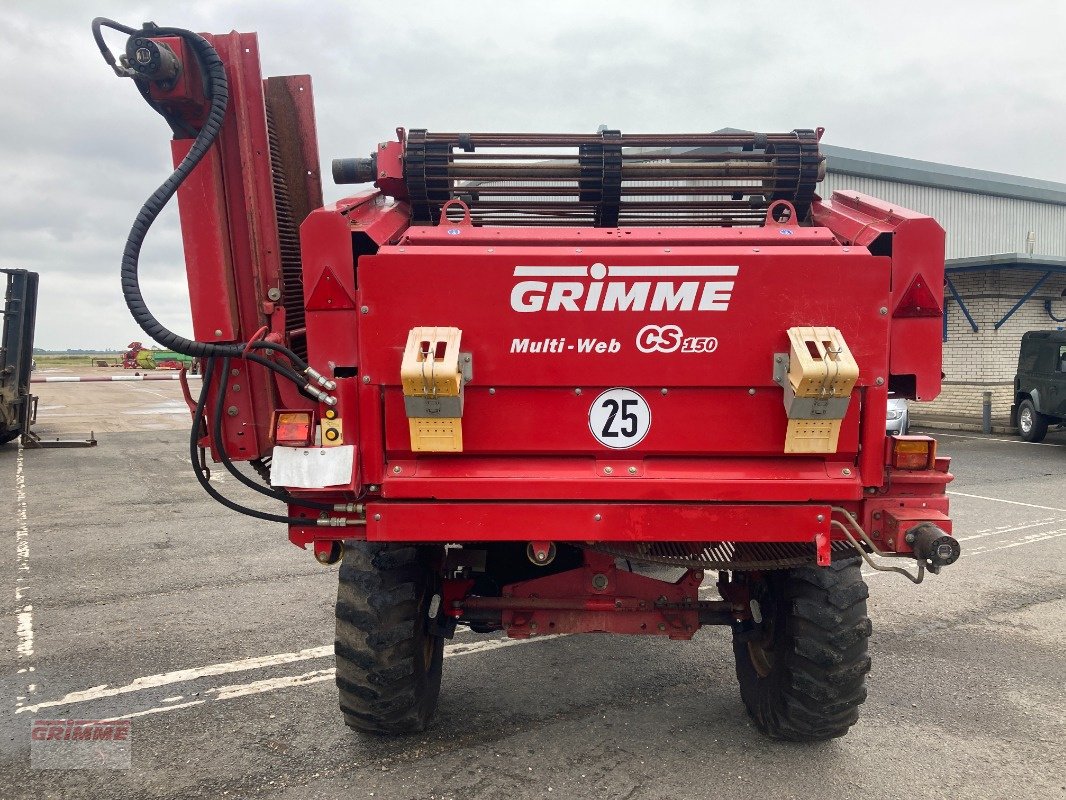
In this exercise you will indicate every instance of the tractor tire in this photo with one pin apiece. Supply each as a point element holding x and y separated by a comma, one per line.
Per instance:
<point>802,669</point>
<point>1032,425</point>
<point>388,661</point>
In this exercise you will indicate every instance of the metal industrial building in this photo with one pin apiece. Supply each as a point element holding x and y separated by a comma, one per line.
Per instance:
<point>1006,263</point>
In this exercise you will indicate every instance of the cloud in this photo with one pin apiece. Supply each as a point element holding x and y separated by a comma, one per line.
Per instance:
<point>79,150</point>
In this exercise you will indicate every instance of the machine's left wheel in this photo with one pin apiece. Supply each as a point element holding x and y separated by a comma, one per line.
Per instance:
<point>388,661</point>
<point>802,664</point>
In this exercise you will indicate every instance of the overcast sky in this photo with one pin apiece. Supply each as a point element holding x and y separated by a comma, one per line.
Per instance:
<point>970,83</point>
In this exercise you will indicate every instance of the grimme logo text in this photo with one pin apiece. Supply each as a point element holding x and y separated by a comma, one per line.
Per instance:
<point>634,288</point>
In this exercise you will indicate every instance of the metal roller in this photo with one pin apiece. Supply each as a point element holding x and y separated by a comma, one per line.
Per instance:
<point>606,179</point>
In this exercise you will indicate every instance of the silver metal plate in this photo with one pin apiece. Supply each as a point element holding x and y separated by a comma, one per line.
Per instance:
<point>806,407</point>
<point>312,467</point>
<point>446,407</point>
<point>781,363</point>
<point>814,407</point>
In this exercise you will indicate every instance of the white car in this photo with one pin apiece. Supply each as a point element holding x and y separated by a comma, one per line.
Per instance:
<point>898,420</point>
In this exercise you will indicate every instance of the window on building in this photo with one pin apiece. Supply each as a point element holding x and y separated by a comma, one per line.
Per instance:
<point>1061,364</point>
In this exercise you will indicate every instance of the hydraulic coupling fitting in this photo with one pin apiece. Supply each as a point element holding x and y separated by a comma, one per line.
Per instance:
<point>933,545</point>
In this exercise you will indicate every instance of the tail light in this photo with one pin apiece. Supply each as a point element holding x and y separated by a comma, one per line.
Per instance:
<point>294,428</point>
<point>912,452</point>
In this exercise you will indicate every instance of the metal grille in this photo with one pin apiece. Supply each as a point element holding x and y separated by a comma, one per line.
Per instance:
<point>723,555</point>
<point>292,293</point>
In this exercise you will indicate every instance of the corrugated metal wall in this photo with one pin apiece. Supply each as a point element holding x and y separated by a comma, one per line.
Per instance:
<point>976,224</point>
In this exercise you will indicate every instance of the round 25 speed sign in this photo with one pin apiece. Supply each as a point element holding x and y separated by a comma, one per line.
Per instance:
<point>619,418</point>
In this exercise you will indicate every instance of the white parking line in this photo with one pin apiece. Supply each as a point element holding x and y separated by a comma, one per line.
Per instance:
<point>271,684</point>
<point>242,690</point>
<point>157,710</point>
<point>982,534</point>
<point>1032,538</point>
<point>23,608</point>
<point>183,675</point>
<point>231,691</point>
<point>938,434</point>
<point>1008,502</point>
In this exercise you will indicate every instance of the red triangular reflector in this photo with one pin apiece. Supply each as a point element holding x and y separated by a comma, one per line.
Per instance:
<point>329,293</point>
<point>918,300</point>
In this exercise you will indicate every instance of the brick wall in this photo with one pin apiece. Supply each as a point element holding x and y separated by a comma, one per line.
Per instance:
<point>987,360</point>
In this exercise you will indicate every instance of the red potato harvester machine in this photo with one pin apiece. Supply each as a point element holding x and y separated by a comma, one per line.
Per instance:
<point>547,383</point>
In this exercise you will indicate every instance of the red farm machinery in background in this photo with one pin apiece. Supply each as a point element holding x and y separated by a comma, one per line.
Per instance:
<point>548,383</point>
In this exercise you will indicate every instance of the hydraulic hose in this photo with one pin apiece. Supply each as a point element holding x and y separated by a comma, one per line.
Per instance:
<point>98,25</point>
<point>217,89</point>
<point>216,433</point>
<point>194,443</point>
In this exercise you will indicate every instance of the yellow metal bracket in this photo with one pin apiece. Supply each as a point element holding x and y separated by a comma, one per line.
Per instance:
<point>433,379</point>
<point>817,376</point>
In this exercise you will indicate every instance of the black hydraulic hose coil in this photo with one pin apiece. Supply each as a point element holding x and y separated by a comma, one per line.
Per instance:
<point>218,89</point>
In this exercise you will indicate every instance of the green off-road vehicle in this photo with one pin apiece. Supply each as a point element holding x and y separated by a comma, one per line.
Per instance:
<point>1040,385</point>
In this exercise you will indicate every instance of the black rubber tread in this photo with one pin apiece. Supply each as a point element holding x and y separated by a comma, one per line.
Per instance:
<point>817,680</point>
<point>1040,423</point>
<point>388,664</point>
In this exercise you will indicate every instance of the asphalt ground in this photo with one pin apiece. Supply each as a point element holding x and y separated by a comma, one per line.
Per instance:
<point>140,598</point>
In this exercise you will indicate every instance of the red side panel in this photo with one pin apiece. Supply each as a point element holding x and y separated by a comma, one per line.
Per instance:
<point>230,232</point>
<point>594,522</point>
<point>538,367</point>
<point>479,290</point>
<point>687,421</point>
<point>916,245</point>
<point>207,249</point>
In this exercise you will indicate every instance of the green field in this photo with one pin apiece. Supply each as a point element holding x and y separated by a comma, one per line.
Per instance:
<point>74,360</point>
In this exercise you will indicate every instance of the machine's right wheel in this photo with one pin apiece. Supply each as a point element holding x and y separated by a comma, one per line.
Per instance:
<point>1031,423</point>
<point>802,668</point>
<point>388,661</point>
